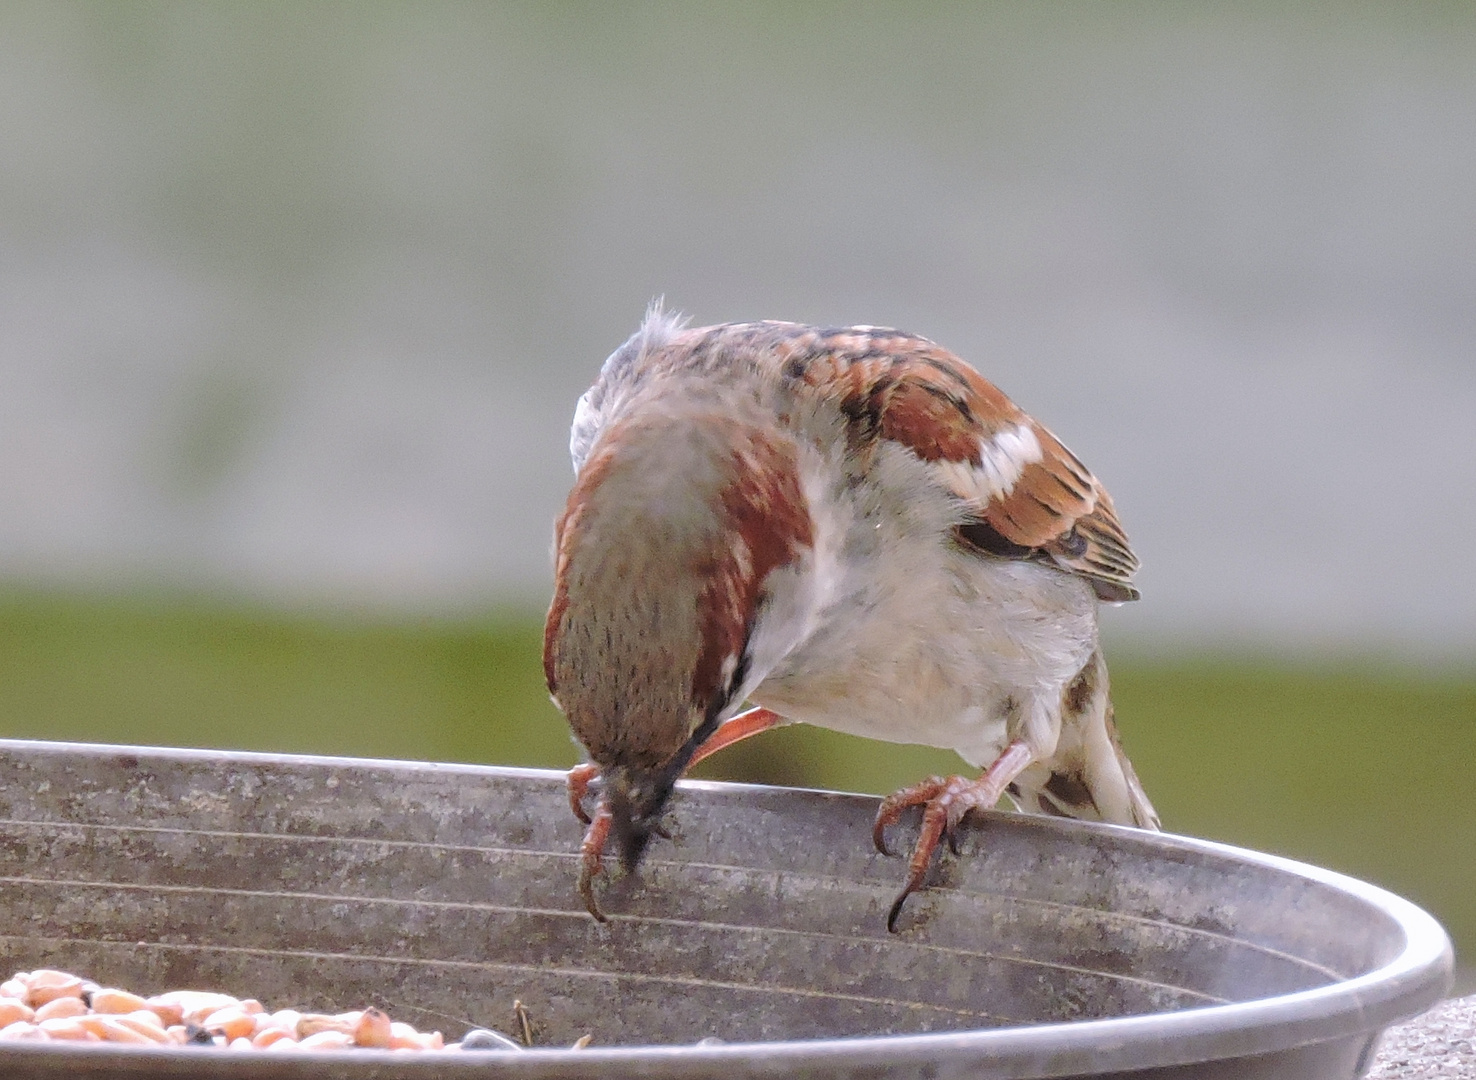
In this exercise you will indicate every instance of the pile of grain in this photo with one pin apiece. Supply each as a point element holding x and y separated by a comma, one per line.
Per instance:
<point>45,1005</point>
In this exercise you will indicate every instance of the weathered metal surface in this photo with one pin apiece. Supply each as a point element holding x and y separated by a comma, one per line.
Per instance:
<point>441,893</point>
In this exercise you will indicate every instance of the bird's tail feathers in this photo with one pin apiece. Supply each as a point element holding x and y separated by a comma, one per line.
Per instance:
<point>1144,816</point>
<point>1090,777</point>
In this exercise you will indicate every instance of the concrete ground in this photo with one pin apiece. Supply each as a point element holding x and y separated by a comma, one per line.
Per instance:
<point>1441,1045</point>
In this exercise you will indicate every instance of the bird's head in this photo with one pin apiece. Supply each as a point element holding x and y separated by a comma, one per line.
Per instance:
<point>682,522</point>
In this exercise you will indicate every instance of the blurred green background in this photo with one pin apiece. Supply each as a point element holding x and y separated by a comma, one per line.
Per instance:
<point>296,299</point>
<point>1353,765</point>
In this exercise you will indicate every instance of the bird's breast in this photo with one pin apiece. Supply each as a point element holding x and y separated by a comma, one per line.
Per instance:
<point>917,641</point>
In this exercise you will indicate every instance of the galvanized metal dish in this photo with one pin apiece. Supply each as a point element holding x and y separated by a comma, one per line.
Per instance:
<point>1050,948</point>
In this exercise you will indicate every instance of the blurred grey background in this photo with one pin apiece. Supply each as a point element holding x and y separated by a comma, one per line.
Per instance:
<point>296,299</point>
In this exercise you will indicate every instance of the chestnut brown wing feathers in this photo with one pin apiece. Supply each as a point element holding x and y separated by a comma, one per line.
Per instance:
<point>1025,494</point>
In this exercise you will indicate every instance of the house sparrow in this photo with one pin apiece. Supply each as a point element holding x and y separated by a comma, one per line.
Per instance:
<point>845,527</point>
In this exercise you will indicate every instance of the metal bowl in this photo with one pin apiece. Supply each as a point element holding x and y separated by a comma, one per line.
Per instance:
<point>441,893</point>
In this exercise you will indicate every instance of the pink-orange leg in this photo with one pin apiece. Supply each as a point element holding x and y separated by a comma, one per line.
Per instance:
<point>592,849</point>
<point>944,803</point>
<point>737,729</point>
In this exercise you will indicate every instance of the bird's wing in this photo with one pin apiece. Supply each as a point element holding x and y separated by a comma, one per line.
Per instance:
<point>1025,495</point>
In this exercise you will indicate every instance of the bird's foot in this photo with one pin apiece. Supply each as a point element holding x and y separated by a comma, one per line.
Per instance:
<point>580,779</point>
<point>596,836</point>
<point>592,854</point>
<point>583,777</point>
<point>945,802</point>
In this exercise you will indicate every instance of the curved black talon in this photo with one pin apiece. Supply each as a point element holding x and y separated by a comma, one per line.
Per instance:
<point>587,892</point>
<point>879,840</point>
<point>951,835</point>
<point>896,909</point>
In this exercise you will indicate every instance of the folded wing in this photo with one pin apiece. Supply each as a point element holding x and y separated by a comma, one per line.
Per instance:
<point>1025,495</point>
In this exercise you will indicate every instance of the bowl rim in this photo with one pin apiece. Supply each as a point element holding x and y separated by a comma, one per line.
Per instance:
<point>1413,980</point>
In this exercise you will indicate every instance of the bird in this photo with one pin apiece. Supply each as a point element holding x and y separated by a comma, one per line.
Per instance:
<point>841,526</point>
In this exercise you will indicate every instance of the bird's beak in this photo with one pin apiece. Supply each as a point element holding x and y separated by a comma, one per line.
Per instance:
<point>637,797</point>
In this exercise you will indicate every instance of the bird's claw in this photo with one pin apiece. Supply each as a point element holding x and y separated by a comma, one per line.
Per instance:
<point>896,804</point>
<point>591,855</point>
<point>950,834</point>
<point>945,802</point>
<point>592,850</point>
<point>580,778</point>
